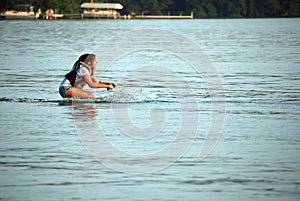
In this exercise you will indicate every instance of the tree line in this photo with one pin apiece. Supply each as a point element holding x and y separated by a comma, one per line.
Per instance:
<point>200,8</point>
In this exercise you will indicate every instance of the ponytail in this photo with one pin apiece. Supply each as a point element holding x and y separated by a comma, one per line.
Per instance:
<point>71,76</point>
<point>82,58</point>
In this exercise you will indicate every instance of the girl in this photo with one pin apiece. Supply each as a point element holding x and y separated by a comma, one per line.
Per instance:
<point>81,74</point>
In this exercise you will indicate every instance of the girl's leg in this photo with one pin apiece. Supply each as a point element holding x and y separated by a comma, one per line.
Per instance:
<point>78,93</point>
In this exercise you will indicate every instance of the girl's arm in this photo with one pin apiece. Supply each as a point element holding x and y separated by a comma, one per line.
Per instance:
<point>114,84</point>
<point>104,84</point>
<point>91,82</point>
<point>95,79</point>
<point>107,85</point>
<point>94,83</point>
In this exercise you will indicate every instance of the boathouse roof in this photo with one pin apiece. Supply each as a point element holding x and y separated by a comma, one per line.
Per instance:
<point>102,5</point>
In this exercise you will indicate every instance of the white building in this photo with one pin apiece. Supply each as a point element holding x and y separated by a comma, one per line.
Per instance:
<point>101,10</point>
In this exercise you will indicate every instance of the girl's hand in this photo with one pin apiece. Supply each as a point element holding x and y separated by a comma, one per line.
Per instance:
<point>115,85</point>
<point>110,87</point>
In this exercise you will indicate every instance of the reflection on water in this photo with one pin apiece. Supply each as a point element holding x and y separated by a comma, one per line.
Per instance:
<point>82,111</point>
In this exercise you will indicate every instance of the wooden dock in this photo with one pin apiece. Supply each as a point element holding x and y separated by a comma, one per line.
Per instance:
<point>164,16</point>
<point>73,16</point>
<point>81,16</point>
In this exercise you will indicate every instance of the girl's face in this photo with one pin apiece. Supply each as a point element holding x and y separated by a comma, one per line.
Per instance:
<point>94,63</point>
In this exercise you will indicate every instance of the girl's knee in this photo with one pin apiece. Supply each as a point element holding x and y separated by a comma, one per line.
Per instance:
<point>91,95</point>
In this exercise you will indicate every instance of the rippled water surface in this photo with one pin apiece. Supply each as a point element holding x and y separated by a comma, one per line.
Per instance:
<point>44,152</point>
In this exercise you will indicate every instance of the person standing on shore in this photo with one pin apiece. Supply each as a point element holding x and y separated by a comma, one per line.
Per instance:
<point>49,14</point>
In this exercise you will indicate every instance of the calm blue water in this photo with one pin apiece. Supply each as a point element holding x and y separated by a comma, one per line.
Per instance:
<point>143,141</point>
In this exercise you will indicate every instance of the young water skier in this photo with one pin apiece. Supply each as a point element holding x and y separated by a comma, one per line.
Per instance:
<point>81,74</point>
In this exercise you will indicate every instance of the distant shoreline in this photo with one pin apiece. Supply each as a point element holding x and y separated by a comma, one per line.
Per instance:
<point>140,17</point>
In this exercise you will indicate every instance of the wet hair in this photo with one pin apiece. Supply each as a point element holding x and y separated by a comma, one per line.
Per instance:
<point>83,58</point>
<point>89,58</point>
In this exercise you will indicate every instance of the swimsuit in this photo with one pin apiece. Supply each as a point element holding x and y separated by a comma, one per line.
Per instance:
<point>66,91</point>
<point>66,88</point>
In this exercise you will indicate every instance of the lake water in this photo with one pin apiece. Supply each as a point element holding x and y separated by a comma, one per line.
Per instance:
<point>220,123</point>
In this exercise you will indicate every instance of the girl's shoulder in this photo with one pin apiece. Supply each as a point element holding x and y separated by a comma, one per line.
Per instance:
<point>83,70</point>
